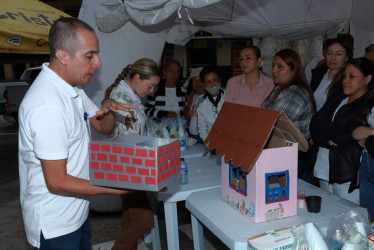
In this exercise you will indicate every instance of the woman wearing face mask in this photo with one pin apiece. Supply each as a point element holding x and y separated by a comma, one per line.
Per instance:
<point>292,93</point>
<point>136,81</point>
<point>210,105</point>
<point>338,157</point>
<point>251,87</point>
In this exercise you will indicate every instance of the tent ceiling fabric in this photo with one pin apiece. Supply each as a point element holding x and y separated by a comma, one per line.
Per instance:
<point>239,18</point>
<point>112,14</point>
<point>262,18</point>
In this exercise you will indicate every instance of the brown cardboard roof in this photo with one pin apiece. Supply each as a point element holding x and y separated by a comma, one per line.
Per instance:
<point>241,132</point>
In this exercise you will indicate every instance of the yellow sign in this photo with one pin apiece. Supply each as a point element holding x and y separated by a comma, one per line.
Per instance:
<point>24,26</point>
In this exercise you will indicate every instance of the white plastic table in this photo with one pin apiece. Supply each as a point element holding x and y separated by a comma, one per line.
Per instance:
<point>234,229</point>
<point>203,173</point>
<point>197,150</point>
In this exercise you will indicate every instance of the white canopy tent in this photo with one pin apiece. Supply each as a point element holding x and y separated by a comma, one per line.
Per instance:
<point>129,30</point>
<point>282,19</point>
<point>133,29</point>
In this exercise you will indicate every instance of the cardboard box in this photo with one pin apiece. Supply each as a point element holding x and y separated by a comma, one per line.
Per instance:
<point>259,167</point>
<point>134,162</point>
<point>279,239</point>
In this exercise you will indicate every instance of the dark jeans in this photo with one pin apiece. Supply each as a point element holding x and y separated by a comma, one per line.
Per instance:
<point>367,183</point>
<point>306,163</point>
<point>197,138</point>
<point>137,219</point>
<point>77,240</point>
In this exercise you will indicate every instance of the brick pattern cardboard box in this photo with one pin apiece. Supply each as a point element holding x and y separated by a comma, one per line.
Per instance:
<point>259,167</point>
<point>134,162</point>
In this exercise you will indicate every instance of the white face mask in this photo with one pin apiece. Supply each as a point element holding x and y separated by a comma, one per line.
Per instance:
<point>213,90</point>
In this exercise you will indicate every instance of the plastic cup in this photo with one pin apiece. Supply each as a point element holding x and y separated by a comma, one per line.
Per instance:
<point>301,203</point>
<point>313,203</point>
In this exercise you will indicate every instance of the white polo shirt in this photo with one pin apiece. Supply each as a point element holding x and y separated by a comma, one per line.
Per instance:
<point>52,127</point>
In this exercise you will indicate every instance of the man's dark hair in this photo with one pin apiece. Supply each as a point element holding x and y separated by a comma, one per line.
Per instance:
<point>63,34</point>
<point>369,48</point>
<point>206,70</point>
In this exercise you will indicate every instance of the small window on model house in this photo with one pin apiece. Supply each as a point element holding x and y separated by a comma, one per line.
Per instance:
<point>238,179</point>
<point>277,187</point>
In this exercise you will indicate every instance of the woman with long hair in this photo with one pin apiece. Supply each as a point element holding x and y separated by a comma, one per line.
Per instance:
<point>292,93</point>
<point>328,77</point>
<point>338,158</point>
<point>293,96</point>
<point>136,81</point>
<point>362,130</point>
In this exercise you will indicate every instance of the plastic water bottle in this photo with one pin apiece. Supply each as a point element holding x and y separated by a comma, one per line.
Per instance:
<point>184,172</point>
<point>182,137</point>
<point>353,243</point>
<point>173,131</point>
<point>165,133</point>
<point>337,239</point>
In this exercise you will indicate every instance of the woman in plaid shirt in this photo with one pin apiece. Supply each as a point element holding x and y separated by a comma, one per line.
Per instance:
<point>292,93</point>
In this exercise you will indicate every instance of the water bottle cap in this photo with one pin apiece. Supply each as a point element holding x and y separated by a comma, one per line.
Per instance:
<point>355,238</point>
<point>182,159</point>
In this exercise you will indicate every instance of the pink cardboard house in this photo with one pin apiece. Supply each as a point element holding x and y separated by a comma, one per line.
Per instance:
<point>134,162</point>
<point>259,167</point>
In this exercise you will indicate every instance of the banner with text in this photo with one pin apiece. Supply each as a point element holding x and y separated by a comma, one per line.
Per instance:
<point>24,26</point>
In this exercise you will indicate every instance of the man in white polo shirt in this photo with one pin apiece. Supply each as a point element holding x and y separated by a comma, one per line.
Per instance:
<point>54,140</point>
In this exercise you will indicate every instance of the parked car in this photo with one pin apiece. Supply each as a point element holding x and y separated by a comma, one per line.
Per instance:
<point>18,88</point>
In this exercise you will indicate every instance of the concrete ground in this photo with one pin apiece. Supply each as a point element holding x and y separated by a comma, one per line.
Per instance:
<point>105,225</point>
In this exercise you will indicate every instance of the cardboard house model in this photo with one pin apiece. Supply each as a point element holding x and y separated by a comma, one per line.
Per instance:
<point>259,167</point>
<point>134,162</point>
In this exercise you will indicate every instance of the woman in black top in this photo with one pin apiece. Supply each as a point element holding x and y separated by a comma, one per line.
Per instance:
<point>338,157</point>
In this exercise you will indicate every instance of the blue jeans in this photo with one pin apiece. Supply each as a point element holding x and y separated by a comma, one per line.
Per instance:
<point>77,240</point>
<point>367,183</point>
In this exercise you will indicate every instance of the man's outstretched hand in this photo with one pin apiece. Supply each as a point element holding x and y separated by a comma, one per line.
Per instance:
<point>113,106</point>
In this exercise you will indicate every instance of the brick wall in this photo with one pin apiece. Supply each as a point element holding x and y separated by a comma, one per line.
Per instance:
<point>124,166</point>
